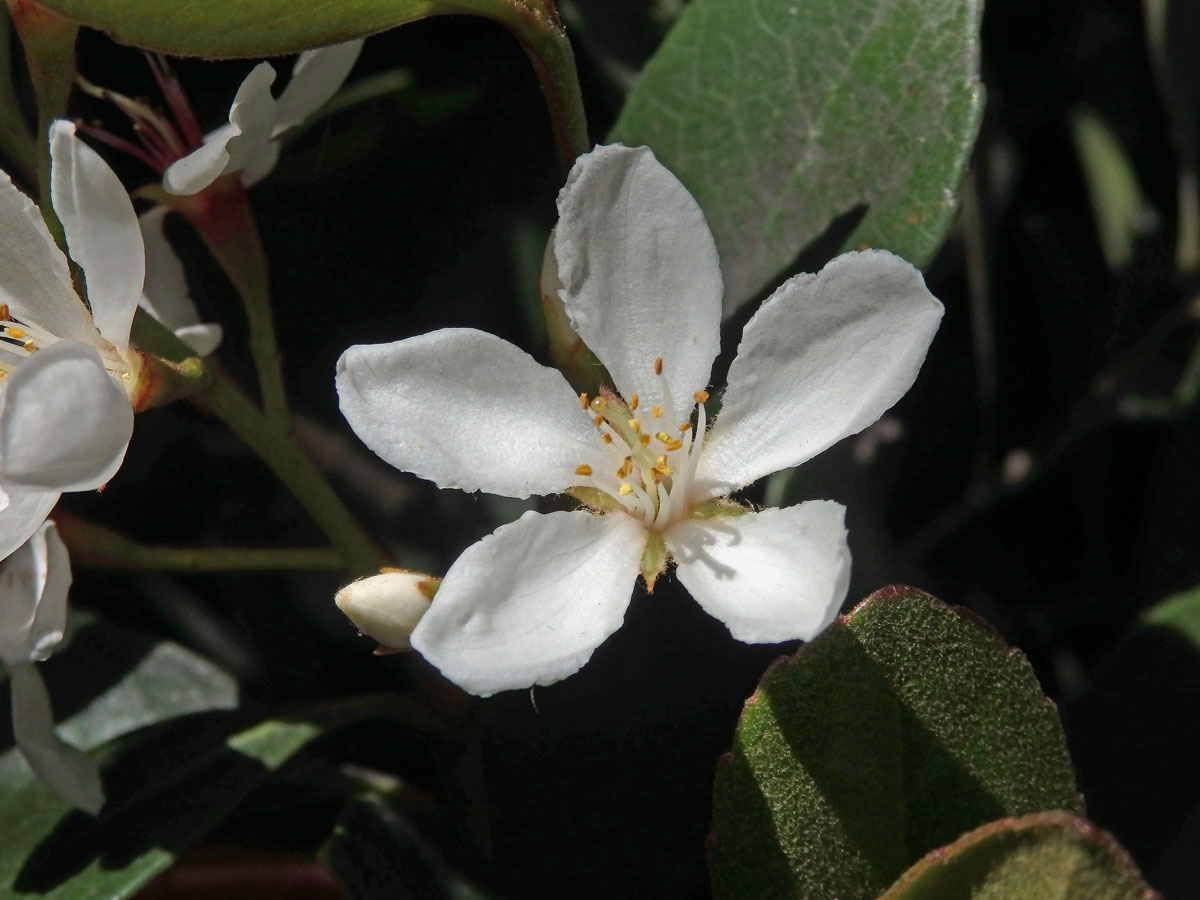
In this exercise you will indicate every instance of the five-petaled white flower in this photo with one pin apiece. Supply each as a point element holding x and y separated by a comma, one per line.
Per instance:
<point>249,142</point>
<point>823,358</point>
<point>33,618</point>
<point>66,373</point>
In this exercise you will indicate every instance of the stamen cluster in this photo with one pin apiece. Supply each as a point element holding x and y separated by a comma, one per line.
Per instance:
<point>18,339</point>
<point>650,473</point>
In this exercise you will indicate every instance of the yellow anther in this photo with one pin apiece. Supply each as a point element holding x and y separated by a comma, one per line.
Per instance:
<point>626,468</point>
<point>644,440</point>
<point>583,470</point>
<point>583,401</point>
<point>661,461</point>
<point>635,425</point>
<point>15,333</point>
<point>656,411</point>
<point>4,316</point>
<point>684,426</point>
<point>633,401</point>
<point>606,437</point>
<point>664,437</point>
<point>673,444</point>
<point>700,396</point>
<point>598,421</point>
<point>658,366</point>
<point>625,490</point>
<point>29,345</point>
<point>664,470</point>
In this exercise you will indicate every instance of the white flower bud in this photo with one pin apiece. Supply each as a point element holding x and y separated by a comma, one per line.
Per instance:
<point>388,606</point>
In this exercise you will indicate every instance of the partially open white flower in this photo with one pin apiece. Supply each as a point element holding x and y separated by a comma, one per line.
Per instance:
<point>66,373</point>
<point>33,618</point>
<point>824,357</point>
<point>249,142</point>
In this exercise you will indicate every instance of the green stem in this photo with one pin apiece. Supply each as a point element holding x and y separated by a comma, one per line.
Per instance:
<point>536,25</point>
<point>274,445</point>
<point>554,62</point>
<point>221,214</point>
<point>99,547</point>
<point>49,42</point>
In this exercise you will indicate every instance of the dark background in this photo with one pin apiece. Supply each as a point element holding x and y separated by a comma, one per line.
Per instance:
<point>430,208</point>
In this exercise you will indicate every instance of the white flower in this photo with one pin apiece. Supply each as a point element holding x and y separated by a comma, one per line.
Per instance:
<point>65,373</point>
<point>249,142</point>
<point>33,617</point>
<point>823,358</point>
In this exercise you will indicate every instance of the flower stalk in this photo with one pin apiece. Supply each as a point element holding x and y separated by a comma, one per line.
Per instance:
<point>222,216</point>
<point>98,547</point>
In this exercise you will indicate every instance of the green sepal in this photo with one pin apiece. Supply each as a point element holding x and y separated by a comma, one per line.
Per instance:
<point>654,559</point>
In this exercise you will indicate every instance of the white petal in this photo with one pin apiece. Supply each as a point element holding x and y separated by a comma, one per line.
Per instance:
<point>467,410</point>
<point>316,77</point>
<point>386,607</point>
<point>824,357</point>
<point>772,576</point>
<point>22,514</point>
<point>530,603</point>
<point>50,620</point>
<point>165,293</point>
<point>261,165</point>
<point>202,339</point>
<point>639,272</point>
<point>64,424</point>
<point>33,598</point>
<point>232,146</point>
<point>193,173</point>
<point>69,772</point>
<point>34,280</point>
<point>101,228</point>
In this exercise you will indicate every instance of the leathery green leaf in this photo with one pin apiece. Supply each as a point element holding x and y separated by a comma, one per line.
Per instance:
<point>1050,856</point>
<point>221,29</point>
<point>905,724</point>
<point>780,116</point>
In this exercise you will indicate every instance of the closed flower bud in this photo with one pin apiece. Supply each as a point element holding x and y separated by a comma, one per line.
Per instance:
<point>387,607</point>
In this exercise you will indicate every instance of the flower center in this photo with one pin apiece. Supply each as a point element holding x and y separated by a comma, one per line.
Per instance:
<point>652,452</point>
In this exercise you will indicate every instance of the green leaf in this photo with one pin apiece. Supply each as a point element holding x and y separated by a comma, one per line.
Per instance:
<point>1180,613</point>
<point>140,682</point>
<point>1048,856</point>
<point>224,29</point>
<point>164,793</point>
<point>176,758</point>
<point>780,116</point>
<point>1118,206</point>
<point>905,724</point>
<point>375,853</point>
